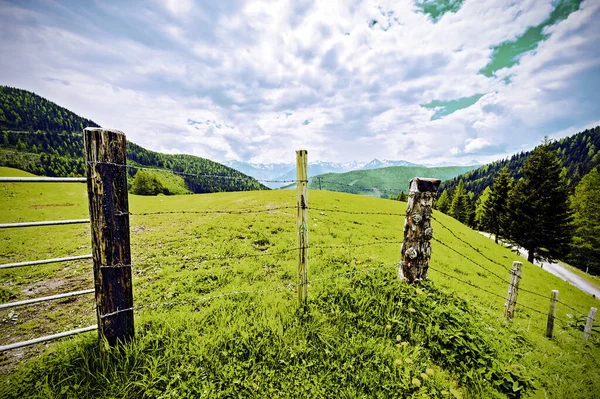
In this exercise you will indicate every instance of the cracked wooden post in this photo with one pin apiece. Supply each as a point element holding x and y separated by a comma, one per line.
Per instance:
<point>105,157</point>
<point>302,204</point>
<point>551,314</point>
<point>416,247</point>
<point>589,323</point>
<point>513,290</point>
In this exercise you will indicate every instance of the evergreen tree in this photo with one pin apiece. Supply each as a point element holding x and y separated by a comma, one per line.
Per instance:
<point>402,197</point>
<point>443,203</point>
<point>495,209</point>
<point>470,212</point>
<point>585,203</point>
<point>459,209</point>
<point>538,207</point>
<point>480,205</point>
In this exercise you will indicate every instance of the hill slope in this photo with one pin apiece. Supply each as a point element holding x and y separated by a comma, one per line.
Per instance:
<point>365,334</point>
<point>579,154</point>
<point>381,182</point>
<point>43,138</point>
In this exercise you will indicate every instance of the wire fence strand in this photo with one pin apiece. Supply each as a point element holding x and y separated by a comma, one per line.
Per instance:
<point>195,175</point>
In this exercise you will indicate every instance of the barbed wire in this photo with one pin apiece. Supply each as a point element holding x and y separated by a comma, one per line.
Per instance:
<point>363,188</point>
<point>471,260</point>
<point>491,293</point>
<point>334,276</point>
<point>280,252</point>
<point>196,175</point>
<point>469,244</point>
<point>200,300</point>
<point>356,212</point>
<point>208,212</point>
<point>521,289</point>
<point>40,133</point>
<point>491,260</point>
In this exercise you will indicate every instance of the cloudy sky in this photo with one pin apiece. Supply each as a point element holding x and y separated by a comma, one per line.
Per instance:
<point>424,81</point>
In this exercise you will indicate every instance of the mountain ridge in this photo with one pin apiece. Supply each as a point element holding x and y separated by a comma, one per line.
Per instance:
<point>41,137</point>
<point>578,153</point>
<point>287,171</point>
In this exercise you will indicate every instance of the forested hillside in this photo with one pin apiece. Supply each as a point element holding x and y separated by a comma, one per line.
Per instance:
<point>40,137</point>
<point>381,182</point>
<point>546,200</point>
<point>579,154</point>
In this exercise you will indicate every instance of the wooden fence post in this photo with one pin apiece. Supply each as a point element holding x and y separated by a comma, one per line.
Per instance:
<point>589,323</point>
<point>105,155</point>
<point>513,290</point>
<point>302,203</point>
<point>552,314</point>
<point>416,247</point>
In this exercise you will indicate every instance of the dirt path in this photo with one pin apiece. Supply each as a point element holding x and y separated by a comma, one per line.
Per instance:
<point>562,273</point>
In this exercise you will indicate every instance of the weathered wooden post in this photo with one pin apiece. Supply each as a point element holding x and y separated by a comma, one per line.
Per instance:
<point>513,291</point>
<point>302,204</point>
<point>416,247</point>
<point>552,314</point>
<point>589,323</point>
<point>109,214</point>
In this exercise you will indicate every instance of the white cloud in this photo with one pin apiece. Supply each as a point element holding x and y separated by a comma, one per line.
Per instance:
<point>259,70</point>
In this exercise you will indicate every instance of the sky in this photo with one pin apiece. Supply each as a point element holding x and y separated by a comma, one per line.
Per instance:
<point>424,81</point>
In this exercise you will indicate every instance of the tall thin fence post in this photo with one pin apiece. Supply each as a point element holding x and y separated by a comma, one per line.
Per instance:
<point>416,246</point>
<point>513,290</point>
<point>105,154</point>
<point>302,204</point>
<point>589,323</point>
<point>552,314</point>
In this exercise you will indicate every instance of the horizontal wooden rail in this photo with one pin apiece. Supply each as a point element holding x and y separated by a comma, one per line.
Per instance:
<point>43,180</point>
<point>45,261</point>
<point>47,338</point>
<point>47,223</point>
<point>45,298</point>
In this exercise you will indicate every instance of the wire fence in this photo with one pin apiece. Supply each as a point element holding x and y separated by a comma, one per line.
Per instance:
<point>289,286</point>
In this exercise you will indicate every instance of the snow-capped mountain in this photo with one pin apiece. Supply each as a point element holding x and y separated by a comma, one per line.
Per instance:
<point>376,163</point>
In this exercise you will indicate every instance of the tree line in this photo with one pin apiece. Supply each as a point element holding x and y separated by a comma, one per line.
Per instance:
<point>536,209</point>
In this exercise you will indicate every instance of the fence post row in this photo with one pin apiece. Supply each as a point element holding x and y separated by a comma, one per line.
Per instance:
<point>302,206</point>
<point>105,152</point>
<point>552,314</point>
<point>513,290</point>
<point>589,323</point>
<point>416,247</point>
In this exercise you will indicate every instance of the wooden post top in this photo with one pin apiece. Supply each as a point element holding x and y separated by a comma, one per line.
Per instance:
<point>102,129</point>
<point>424,184</point>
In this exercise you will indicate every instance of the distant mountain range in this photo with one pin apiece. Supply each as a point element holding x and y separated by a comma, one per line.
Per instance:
<point>287,171</point>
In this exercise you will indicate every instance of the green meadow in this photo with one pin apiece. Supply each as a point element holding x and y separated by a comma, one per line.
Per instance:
<point>217,313</point>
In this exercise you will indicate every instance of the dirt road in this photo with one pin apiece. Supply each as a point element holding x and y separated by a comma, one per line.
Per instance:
<point>562,273</point>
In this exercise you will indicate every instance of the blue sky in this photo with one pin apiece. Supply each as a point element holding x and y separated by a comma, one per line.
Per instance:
<point>425,81</point>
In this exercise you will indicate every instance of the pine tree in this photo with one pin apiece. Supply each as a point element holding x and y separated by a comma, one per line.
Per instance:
<point>443,203</point>
<point>538,207</point>
<point>585,203</point>
<point>459,209</point>
<point>480,205</point>
<point>496,212</point>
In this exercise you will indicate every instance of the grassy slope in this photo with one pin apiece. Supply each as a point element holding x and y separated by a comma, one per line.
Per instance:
<point>386,181</point>
<point>367,335</point>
